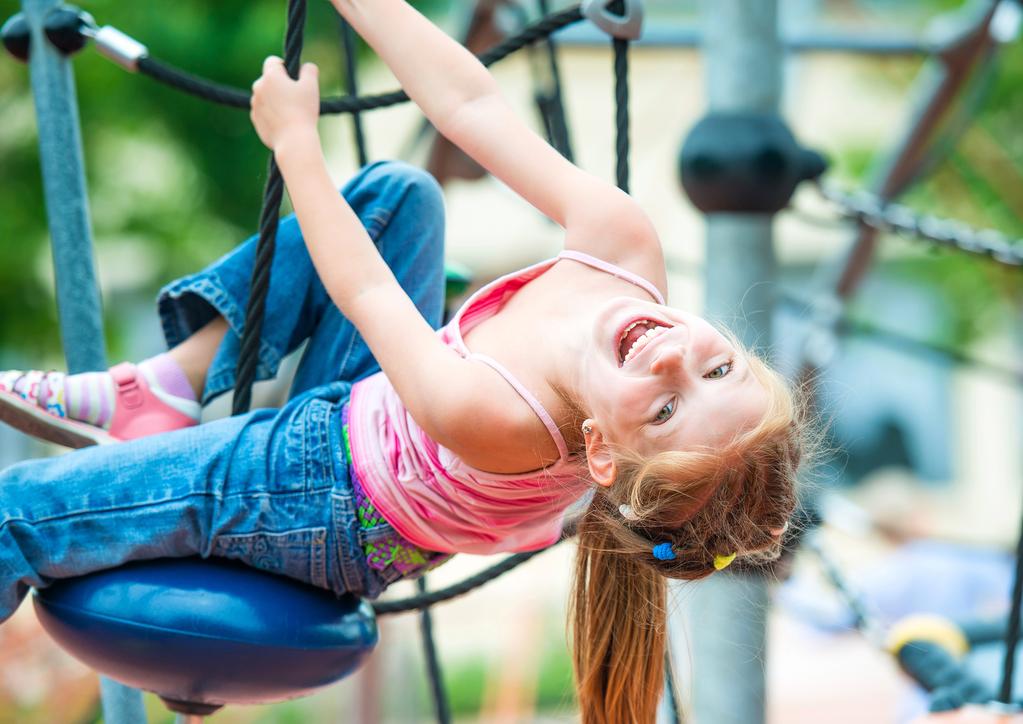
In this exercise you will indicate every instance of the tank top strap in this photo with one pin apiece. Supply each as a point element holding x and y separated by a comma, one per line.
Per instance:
<point>530,399</point>
<point>614,270</point>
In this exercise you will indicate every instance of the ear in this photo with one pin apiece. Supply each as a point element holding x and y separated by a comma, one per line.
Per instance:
<point>598,455</point>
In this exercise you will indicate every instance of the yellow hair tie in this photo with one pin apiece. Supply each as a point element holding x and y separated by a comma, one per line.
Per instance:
<point>722,562</point>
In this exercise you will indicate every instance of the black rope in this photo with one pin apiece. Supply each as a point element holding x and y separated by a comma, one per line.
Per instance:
<point>1012,626</point>
<point>433,671</point>
<point>259,288</point>
<point>885,216</point>
<point>672,691</point>
<point>621,48</point>
<point>424,600</point>
<point>237,98</point>
<point>846,325</point>
<point>351,85</point>
<point>194,85</point>
<point>863,619</point>
<point>557,125</point>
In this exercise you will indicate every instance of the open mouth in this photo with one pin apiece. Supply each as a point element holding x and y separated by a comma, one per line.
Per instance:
<point>636,336</point>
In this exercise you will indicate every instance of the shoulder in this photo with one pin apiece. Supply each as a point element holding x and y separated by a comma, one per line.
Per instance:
<point>613,227</point>
<point>495,431</point>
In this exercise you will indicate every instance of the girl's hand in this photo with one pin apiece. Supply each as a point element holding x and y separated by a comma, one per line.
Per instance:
<point>282,106</point>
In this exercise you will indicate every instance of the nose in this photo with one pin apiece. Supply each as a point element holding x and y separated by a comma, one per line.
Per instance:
<point>669,362</point>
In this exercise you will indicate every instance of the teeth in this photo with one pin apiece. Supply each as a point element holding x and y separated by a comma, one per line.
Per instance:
<point>631,327</point>
<point>642,341</point>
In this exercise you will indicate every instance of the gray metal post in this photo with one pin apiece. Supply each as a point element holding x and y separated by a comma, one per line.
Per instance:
<point>78,300</point>
<point>726,614</point>
<point>121,704</point>
<point>60,151</point>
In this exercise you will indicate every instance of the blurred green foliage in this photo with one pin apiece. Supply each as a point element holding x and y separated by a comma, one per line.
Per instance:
<point>180,176</point>
<point>466,681</point>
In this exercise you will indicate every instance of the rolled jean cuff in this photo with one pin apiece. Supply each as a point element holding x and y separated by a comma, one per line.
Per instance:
<point>187,305</point>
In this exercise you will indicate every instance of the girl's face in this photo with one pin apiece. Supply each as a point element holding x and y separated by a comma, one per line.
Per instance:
<point>657,378</point>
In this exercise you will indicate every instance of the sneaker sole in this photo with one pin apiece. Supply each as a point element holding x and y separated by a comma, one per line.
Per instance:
<point>34,421</point>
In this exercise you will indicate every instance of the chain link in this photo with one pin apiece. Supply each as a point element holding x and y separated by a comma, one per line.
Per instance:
<point>884,216</point>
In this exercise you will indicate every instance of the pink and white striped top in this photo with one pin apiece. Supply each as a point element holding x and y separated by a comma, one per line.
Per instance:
<point>428,494</point>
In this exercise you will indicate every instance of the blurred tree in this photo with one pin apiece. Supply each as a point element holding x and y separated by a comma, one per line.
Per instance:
<point>978,181</point>
<point>173,181</point>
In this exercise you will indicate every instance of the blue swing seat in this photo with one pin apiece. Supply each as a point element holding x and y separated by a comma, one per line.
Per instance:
<point>204,633</point>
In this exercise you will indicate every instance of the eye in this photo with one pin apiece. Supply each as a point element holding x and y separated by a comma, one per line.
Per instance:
<point>720,371</point>
<point>666,412</point>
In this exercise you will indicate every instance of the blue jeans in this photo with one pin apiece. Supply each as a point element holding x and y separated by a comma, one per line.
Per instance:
<point>270,487</point>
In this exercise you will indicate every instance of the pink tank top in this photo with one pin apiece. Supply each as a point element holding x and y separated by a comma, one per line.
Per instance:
<point>426,492</point>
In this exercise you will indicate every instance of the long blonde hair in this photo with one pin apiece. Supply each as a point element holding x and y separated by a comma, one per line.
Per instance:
<point>706,503</point>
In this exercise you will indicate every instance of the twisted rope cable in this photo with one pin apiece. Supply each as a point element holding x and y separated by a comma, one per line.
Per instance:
<point>839,324</point>
<point>348,40</point>
<point>442,708</point>
<point>559,127</point>
<point>621,48</point>
<point>194,85</point>
<point>879,214</point>
<point>425,600</point>
<point>236,98</point>
<point>259,287</point>
<point>1012,626</point>
<point>863,617</point>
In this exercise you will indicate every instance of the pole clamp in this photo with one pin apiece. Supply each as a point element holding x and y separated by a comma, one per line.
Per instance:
<point>627,25</point>
<point>68,28</point>
<point>16,36</point>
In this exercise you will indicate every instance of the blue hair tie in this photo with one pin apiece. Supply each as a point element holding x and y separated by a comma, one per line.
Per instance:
<point>664,552</point>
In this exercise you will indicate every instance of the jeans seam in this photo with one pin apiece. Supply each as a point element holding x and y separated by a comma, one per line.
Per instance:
<point>101,511</point>
<point>163,501</point>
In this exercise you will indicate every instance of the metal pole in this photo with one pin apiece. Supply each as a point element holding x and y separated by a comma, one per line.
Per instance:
<point>121,704</point>
<point>78,300</point>
<point>727,612</point>
<point>60,152</point>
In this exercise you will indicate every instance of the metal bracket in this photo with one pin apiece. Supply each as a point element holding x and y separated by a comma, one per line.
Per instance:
<point>627,26</point>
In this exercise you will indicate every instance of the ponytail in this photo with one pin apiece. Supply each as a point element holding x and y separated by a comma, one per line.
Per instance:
<point>703,505</point>
<point>618,614</point>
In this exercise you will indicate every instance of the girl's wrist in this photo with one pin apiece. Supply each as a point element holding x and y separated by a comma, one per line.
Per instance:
<point>296,140</point>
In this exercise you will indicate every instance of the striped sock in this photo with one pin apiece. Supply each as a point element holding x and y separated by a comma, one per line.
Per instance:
<point>168,382</point>
<point>91,396</point>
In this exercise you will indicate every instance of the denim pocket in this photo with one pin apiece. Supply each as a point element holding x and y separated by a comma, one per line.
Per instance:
<point>300,554</point>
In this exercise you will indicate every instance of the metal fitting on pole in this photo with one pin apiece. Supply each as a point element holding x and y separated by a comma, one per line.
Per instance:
<point>625,26</point>
<point>16,36</point>
<point>120,48</point>
<point>744,162</point>
<point>68,28</point>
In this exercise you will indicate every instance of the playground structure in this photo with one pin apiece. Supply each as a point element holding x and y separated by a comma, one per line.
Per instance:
<point>871,211</point>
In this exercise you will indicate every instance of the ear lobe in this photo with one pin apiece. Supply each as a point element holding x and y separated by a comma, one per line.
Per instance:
<point>599,459</point>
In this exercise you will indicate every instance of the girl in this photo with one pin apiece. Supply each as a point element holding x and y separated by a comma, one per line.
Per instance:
<point>570,377</point>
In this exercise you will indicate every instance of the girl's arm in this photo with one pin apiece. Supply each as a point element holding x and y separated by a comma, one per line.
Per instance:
<point>358,280</point>
<point>464,102</point>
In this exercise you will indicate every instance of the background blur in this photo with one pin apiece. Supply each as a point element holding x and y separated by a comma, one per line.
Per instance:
<point>922,493</point>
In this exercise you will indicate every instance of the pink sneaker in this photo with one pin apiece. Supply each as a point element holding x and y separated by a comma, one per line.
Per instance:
<point>137,410</point>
